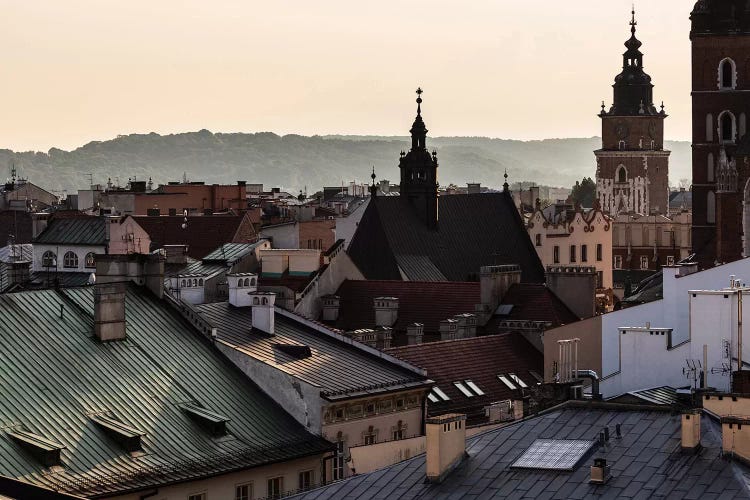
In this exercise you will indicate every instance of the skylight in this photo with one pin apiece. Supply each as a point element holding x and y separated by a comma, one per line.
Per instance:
<point>517,380</point>
<point>474,387</point>
<point>461,387</point>
<point>553,454</point>
<point>440,393</point>
<point>505,380</point>
<point>432,398</point>
<point>536,375</point>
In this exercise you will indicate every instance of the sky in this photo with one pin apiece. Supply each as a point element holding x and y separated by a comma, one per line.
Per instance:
<point>74,71</point>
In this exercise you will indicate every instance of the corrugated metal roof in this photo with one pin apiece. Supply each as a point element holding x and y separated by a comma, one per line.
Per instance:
<point>14,253</point>
<point>74,231</point>
<point>54,375</point>
<point>232,252</point>
<point>335,366</point>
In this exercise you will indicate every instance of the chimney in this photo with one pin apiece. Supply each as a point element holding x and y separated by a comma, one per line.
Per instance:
<point>240,286</point>
<point>142,269</point>
<point>691,430</point>
<point>153,212</point>
<point>735,437</point>
<point>448,329</point>
<point>414,333</point>
<point>109,311</point>
<point>176,254</point>
<point>494,282</point>
<point>575,286</point>
<point>263,311</point>
<point>474,188</point>
<point>446,445</point>
<point>600,473</point>
<point>386,311</point>
<point>18,271</point>
<point>331,306</point>
<point>467,326</point>
<point>383,335</point>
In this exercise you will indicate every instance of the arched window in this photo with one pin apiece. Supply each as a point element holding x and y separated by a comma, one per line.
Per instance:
<point>265,301</point>
<point>70,260</point>
<point>246,282</point>
<point>252,282</point>
<point>90,260</point>
<point>709,127</point>
<point>49,259</point>
<point>622,174</point>
<point>256,301</point>
<point>727,127</point>
<point>183,283</point>
<point>743,126</point>
<point>195,281</point>
<point>711,208</point>
<point>710,172</point>
<point>200,282</point>
<point>727,72</point>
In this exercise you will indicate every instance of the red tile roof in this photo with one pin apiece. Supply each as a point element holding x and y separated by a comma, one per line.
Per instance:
<point>479,359</point>
<point>419,302</point>
<point>536,302</point>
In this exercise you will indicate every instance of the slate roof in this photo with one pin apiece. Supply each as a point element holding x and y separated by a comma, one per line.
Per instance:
<point>337,366</point>
<point>74,231</point>
<point>419,302</point>
<point>203,234</point>
<point>474,230</point>
<point>533,302</point>
<point>647,462</point>
<point>681,199</point>
<point>54,377</point>
<point>479,359</point>
<point>656,395</point>
<point>15,223</point>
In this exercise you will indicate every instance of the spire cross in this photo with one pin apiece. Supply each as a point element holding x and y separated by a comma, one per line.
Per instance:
<point>633,22</point>
<point>419,100</point>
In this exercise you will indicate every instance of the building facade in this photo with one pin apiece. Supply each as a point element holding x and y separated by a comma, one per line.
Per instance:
<point>720,40</point>
<point>632,166</point>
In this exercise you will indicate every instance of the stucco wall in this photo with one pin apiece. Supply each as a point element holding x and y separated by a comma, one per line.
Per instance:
<point>339,269</point>
<point>589,347</point>
<point>370,458</point>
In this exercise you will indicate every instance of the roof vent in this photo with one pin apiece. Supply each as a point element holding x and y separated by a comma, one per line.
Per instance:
<point>214,423</point>
<point>43,449</point>
<point>295,351</point>
<point>600,472</point>
<point>128,437</point>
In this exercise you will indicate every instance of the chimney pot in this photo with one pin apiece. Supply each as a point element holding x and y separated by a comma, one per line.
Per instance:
<point>600,471</point>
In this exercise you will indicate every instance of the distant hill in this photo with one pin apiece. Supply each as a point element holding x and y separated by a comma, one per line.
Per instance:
<point>295,161</point>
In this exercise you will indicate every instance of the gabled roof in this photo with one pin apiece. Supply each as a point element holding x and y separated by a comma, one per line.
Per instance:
<point>422,302</point>
<point>337,365</point>
<point>646,462</point>
<point>474,230</point>
<point>202,235</point>
<point>479,359</point>
<point>55,376</point>
<point>74,231</point>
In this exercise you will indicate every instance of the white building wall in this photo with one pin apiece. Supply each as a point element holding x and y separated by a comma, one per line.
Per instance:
<point>347,226</point>
<point>60,250</point>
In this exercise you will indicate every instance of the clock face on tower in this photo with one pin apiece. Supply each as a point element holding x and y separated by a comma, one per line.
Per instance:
<point>621,129</point>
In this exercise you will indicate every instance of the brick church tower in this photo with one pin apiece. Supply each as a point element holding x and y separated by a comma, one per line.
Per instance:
<point>632,167</point>
<point>720,39</point>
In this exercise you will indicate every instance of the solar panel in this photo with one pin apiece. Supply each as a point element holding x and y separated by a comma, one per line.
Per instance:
<point>554,454</point>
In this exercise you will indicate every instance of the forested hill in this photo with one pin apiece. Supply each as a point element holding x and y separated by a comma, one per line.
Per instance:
<point>295,162</point>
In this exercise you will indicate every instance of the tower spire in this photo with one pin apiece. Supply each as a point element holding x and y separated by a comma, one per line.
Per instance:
<point>373,187</point>
<point>633,22</point>
<point>418,129</point>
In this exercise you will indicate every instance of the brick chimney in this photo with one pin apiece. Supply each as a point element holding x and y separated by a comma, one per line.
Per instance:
<point>262,304</point>
<point>386,311</point>
<point>331,307</point>
<point>109,311</point>
<point>446,445</point>
<point>494,282</point>
<point>240,286</point>
<point>691,430</point>
<point>414,333</point>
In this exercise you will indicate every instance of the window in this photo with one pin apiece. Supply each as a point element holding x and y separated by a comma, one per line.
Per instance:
<point>256,301</point>
<point>572,253</point>
<point>370,436</point>
<point>599,252</point>
<point>398,432</point>
<point>517,380</point>
<point>461,387</point>
<point>726,74</point>
<point>440,393</point>
<point>644,262</point>
<point>505,380</point>
<point>338,459</point>
<point>709,127</point>
<point>90,260</point>
<point>275,487</point>
<point>726,127</point>
<point>246,282</point>
<point>710,171</point>
<point>622,174</point>
<point>618,262</point>
<point>200,282</point>
<point>252,282</point>
<point>711,208</point>
<point>70,260</point>
<point>306,480</point>
<point>49,259</point>
<point>556,254</point>
<point>670,260</point>
<point>197,496</point>
<point>584,253</point>
<point>432,398</point>
<point>474,387</point>
<point>600,279</point>
<point>538,239</point>
<point>243,492</point>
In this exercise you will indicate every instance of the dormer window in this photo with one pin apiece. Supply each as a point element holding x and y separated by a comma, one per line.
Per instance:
<point>727,74</point>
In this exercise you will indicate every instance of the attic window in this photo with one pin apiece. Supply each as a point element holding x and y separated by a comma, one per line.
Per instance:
<point>505,380</point>
<point>128,437</point>
<point>214,423</point>
<point>517,380</point>
<point>440,394</point>
<point>474,387</point>
<point>554,454</point>
<point>461,387</point>
<point>43,449</point>
<point>295,351</point>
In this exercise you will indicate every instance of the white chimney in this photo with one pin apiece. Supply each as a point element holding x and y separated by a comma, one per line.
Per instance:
<point>240,285</point>
<point>331,306</point>
<point>386,311</point>
<point>446,444</point>
<point>262,304</point>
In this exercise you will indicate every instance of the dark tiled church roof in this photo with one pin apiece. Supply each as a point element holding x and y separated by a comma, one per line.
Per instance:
<point>474,230</point>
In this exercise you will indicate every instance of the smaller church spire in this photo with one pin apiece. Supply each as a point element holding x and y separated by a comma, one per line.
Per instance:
<point>373,187</point>
<point>633,22</point>
<point>505,184</point>
<point>418,129</point>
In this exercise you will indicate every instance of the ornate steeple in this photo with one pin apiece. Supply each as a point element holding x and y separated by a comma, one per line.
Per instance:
<point>418,129</point>
<point>373,186</point>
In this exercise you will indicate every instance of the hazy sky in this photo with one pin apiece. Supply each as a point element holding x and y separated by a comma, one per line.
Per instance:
<point>74,70</point>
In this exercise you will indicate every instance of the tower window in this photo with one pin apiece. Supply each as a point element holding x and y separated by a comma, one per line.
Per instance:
<point>711,208</point>
<point>710,172</point>
<point>556,254</point>
<point>572,253</point>
<point>709,127</point>
<point>622,174</point>
<point>727,127</point>
<point>727,73</point>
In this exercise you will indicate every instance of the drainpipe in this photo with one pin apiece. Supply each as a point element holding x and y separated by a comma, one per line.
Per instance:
<point>591,374</point>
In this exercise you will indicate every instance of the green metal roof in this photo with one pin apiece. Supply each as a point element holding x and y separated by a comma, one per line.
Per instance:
<point>232,252</point>
<point>54,376</point>
<point>74,231</point>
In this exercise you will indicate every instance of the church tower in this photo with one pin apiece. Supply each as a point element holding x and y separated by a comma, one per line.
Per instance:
<point>419,184</point>
<point>632,167</point>
<point>720,45</point>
